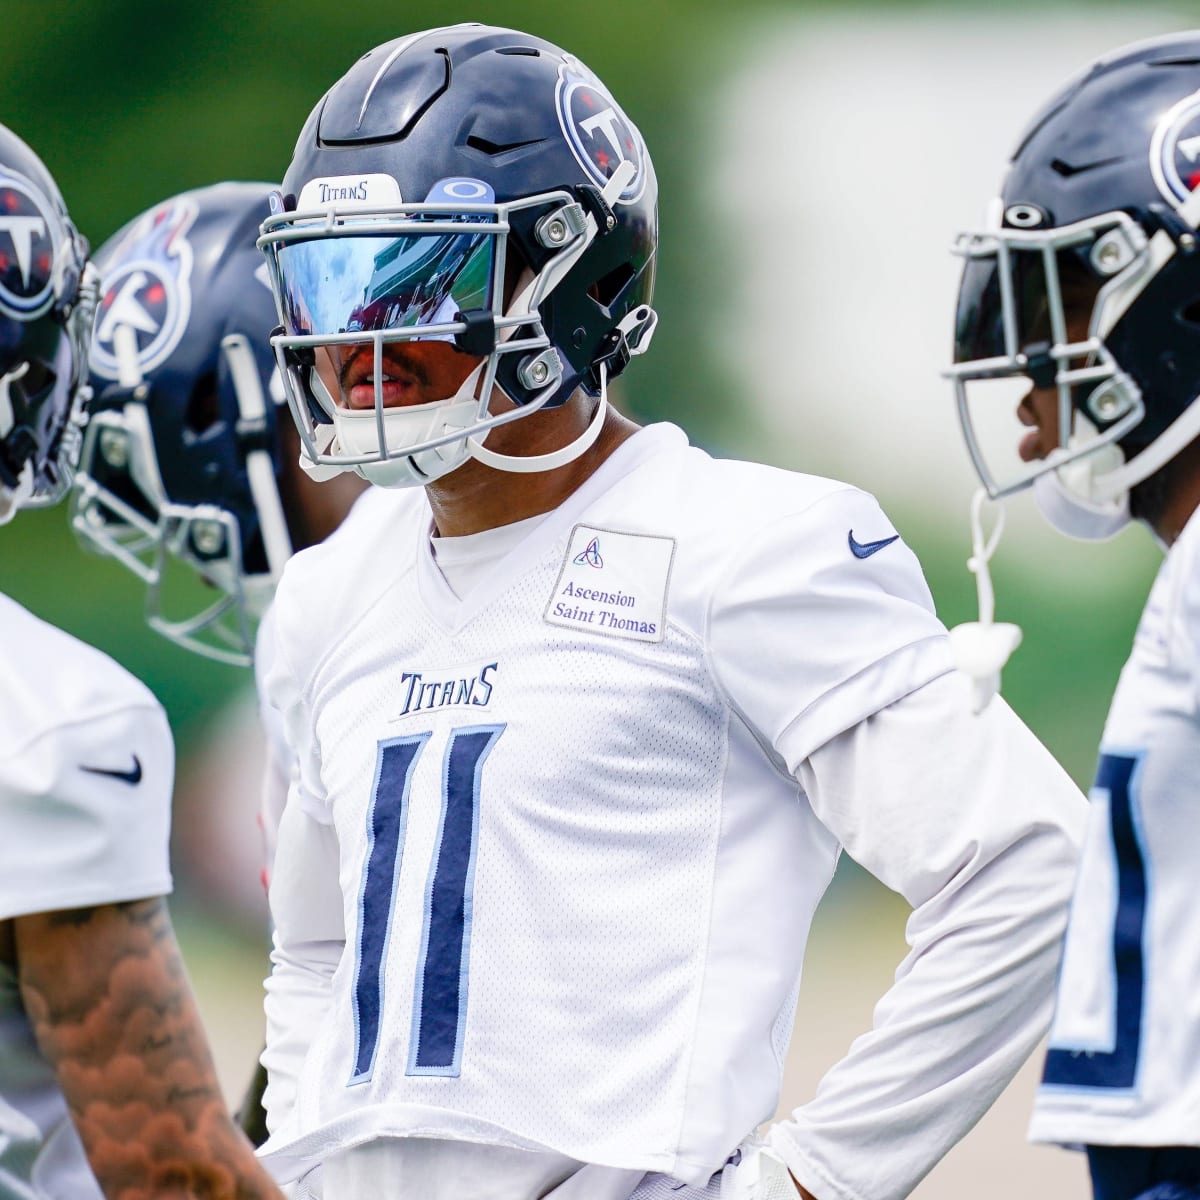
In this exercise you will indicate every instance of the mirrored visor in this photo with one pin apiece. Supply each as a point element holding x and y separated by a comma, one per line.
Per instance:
<point>350,284</point>
<point>979,320</point>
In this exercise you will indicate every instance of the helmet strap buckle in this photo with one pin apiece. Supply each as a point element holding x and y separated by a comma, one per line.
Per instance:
<point>593,200</point>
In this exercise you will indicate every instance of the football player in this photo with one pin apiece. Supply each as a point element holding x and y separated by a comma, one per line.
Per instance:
<point>1086,286</point>
<point>585,718</point>
<point>185,471</point>
<point>107,1087</point>
<point>184,463</point>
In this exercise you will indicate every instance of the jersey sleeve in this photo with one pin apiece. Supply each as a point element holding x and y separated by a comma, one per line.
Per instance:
<point>86,813</point>
<point>972,820</point>
<point>309,940</point>
<point>305,892</point>
<point>279,767</point>
<point>823,619</point>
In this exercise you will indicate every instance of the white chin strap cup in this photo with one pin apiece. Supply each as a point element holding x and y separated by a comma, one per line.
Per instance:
<point>1075,515</point>
<point>981,648</point>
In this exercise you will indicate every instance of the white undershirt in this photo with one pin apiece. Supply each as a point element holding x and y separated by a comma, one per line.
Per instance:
<point>464,561</point>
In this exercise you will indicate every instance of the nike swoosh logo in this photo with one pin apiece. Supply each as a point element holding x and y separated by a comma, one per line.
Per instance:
<point>866,549</point>
<point>131,777</point>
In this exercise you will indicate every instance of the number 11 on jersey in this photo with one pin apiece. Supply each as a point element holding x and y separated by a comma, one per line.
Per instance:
<point>440,990</point>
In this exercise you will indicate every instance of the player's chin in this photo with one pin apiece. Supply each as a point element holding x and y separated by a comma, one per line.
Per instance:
<point>1033,447</point>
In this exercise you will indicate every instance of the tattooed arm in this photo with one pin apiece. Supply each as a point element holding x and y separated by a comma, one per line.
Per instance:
<point>110,1004</point>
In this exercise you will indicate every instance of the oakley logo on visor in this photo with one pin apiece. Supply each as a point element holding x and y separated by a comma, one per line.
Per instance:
<point>460,190</point>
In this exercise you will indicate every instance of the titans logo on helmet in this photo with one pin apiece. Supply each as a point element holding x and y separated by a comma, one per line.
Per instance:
<point>147,289</point>
<point>1175,150</point>
<point>600,135</point>
<point>28,248</point>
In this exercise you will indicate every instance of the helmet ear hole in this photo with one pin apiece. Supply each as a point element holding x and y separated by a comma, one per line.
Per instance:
<point>203,407</point>
<point>606,290</point>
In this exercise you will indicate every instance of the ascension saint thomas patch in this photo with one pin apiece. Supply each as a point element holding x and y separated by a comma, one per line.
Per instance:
<point>614,584</point>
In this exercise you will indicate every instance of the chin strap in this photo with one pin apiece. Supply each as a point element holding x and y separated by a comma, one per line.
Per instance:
<point>634,331</point>
<point>981,648</point>
<point>556,458</point>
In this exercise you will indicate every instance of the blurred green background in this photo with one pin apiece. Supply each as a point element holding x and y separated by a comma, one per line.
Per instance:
<point>814,161</point>
<point>128,101</point>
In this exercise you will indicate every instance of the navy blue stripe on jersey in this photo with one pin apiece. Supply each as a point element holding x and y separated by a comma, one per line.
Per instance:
<point>440,1003</point>
<point>386,821</point>
<point>1116,1068</point>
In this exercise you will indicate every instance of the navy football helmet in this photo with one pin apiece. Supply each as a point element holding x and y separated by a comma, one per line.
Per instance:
<point>1100,204</point>
<point>472,185</point>
<point>47,295</point>
<point>181,459</point>
<point>1170,1191</point>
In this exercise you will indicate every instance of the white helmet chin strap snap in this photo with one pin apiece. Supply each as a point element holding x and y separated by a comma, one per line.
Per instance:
<point>981,648</point>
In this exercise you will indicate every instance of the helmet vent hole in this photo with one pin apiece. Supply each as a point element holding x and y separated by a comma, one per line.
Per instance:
<point>494,148</point>
<point>1068,170</point>
<point>1190,315</point>
<point>36,381</point>
<point>203,409</point>
<point>606,289</point>
<point>528,51</point>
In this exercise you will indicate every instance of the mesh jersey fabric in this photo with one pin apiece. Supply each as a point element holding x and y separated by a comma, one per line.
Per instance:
<point>1121,1066</point>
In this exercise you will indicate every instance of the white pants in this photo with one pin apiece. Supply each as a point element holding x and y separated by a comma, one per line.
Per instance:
<point>434,1169</point>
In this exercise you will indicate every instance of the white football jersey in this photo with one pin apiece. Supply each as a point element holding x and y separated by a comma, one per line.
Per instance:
<point>279,765</point>
<point>86,773</point>
<point>1123,1066</point>
<point>547,873</point>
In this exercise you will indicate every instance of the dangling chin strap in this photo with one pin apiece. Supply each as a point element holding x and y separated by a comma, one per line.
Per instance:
<point>556,458</point>
<point>981,648</point>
